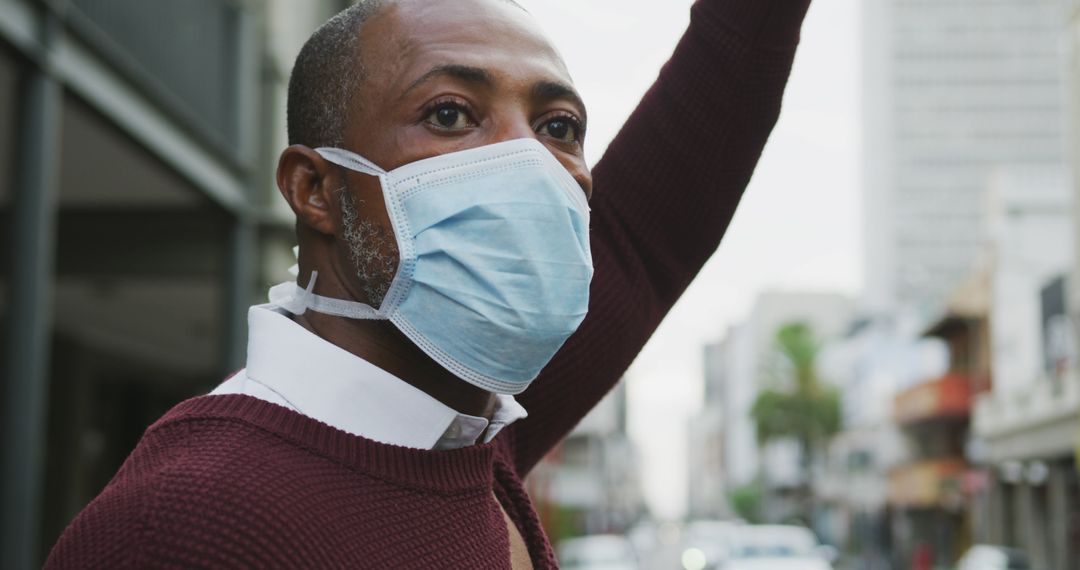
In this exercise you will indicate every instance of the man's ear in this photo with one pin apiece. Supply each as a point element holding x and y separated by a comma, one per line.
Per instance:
<point>305,179</point>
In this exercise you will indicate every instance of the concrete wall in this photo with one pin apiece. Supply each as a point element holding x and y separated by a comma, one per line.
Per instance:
<point>1027,209</point>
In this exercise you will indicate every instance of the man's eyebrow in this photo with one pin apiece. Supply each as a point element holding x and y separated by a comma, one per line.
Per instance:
<point>465,73</point>
<point>550,90</point>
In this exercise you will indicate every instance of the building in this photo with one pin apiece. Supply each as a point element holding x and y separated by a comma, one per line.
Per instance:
<point>707,488</point>
<point>1024,426</point>
<point>1073,74</point>
<point>932,491</point>
<point>1000,471</point>
<point>965,168</point>
<point>952,89</point>
<point>878,358</point>
<point>137,151</point>
<point>736,370</point>
<point>1027,428</point>
<point>589,484</point>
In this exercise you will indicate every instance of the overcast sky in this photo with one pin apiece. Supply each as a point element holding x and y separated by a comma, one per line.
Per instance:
<point>797,228</point>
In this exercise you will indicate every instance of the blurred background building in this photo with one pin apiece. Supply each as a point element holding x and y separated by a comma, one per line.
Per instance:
<point>1024,426</point>
<point>930,491</point>
<point>970,228</point>
<point>952,90</point>
<point>725,452</point>
<point>590,483</point>
<point>957,368</point>
<point>137,149</point>
<point>876,356</point>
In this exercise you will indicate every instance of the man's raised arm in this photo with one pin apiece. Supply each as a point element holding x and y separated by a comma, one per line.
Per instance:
<point>665,192</point>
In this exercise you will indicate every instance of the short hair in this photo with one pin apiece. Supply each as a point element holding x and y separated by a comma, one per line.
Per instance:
<point>326,75</point>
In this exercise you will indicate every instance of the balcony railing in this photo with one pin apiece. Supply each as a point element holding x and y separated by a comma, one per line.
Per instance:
<point>947,397</point>
<point>187,55</point>
<point>929,483</point>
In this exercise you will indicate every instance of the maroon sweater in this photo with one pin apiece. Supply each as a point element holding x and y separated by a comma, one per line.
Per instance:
<point>231,481</point>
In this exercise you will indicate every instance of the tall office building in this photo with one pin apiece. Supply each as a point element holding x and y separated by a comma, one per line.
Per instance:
<point>953,90</point>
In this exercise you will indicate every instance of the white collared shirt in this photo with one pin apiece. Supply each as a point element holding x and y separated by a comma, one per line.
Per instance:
<point>290,366</point>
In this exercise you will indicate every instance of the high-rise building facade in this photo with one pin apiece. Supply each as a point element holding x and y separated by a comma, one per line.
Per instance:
<point>953,90</point>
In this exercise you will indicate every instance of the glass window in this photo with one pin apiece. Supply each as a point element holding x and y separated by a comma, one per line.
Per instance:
<point>139,263</point>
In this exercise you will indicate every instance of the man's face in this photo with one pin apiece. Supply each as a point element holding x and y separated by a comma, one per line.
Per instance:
<point>442,76</point>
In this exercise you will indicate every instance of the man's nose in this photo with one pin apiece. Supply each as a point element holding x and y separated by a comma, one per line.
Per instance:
<point>512,126</point>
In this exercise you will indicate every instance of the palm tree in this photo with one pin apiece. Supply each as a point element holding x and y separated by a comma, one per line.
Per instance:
<point>797,405</point>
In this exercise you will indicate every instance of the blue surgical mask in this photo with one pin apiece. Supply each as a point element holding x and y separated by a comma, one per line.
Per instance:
<point>495,263</point>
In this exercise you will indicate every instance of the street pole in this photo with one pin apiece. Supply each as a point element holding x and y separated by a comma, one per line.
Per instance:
<point>30,296</point>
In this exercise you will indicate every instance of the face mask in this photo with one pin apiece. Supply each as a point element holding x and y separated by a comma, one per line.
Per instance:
<point>494,266</point>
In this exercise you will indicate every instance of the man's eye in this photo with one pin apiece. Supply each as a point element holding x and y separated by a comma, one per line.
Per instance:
<point>449,117</point>
<point>562,129</point>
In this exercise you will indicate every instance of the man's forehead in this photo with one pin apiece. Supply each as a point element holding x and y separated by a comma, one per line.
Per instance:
<point>452,15</point>
<point>413,35</point>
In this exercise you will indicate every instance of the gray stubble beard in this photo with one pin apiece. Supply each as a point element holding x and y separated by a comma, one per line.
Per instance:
<point>372,250</point>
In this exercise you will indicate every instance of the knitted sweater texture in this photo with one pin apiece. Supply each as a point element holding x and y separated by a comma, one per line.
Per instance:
<point>235,482</point>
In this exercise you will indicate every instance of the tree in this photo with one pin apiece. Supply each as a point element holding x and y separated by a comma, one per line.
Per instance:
<point>797,405</point>
<point>746,500</point>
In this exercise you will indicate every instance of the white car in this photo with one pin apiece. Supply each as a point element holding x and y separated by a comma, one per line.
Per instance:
<point>705,543</point>
<point>597,552</point>
<point>777,547</point>
<point>987,557</point>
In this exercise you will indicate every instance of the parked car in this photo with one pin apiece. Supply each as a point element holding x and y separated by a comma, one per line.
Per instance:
<point>777,547</point>
<point>990,557</point>
<point>597,552</point>
<point>705,543</point>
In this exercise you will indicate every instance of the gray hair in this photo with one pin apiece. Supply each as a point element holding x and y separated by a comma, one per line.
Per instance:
<point>326,75</point>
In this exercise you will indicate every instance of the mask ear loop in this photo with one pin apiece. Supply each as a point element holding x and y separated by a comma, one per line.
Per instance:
<point>292,297</point>
<point>289,295</point>
<point>350,160</point>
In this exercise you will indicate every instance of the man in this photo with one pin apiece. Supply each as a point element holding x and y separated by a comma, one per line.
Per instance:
<point>446,249</point>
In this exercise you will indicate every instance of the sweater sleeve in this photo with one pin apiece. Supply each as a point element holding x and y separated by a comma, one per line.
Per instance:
<point>664,194</point>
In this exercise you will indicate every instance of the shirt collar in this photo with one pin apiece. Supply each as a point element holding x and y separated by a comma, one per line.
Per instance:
<point>334,386</point>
